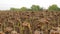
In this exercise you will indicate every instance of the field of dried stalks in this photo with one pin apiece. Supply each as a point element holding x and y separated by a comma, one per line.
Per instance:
<point>42,22</point>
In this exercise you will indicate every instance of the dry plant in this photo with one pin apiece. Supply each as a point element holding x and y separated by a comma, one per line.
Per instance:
<point>28,25</point>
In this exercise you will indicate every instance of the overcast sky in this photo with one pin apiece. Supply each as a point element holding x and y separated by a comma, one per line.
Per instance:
<point>7,4</point>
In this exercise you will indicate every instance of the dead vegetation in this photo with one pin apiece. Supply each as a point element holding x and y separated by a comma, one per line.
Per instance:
<point>44,22</point>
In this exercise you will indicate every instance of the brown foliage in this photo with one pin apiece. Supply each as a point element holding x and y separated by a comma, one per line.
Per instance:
<point>42,21</point>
